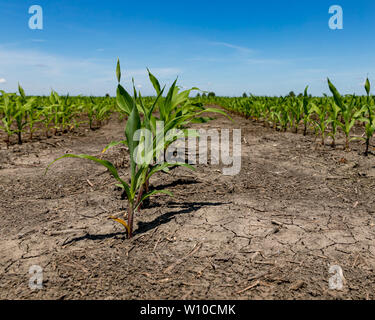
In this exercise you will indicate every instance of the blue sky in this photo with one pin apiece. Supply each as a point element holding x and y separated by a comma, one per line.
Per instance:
<point>229,47</point>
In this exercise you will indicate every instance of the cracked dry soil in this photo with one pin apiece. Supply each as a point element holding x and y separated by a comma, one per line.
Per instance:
<point>271,232</point>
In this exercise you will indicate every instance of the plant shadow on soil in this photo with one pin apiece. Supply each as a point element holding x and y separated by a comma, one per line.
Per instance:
<point>94,237</point>
<point>144,227</point>
<point>186,207</point>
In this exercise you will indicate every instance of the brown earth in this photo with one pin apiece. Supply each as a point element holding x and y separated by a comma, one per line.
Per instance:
<point>271,232</point>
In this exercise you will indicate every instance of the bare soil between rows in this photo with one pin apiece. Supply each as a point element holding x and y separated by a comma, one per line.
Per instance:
<point>271,232</point>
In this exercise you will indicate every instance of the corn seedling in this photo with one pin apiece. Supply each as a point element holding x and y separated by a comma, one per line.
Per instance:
<point>333,120</point>
<point>8,112</point>
<point>140,172</point>
<point>321,123</point>
<point>306,111</point>
<point>349,113</point>
<point>369,120</point>
<point>46,117</point>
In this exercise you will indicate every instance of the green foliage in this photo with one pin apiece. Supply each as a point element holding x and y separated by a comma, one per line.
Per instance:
<point>176,110</point>
<point>325,115</point>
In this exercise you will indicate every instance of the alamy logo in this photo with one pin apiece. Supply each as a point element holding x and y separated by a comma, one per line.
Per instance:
<point>336,22</point>
<point>36,20</point>
<point>190,147</point>
<point>337,280</point>
<point>36,279</point>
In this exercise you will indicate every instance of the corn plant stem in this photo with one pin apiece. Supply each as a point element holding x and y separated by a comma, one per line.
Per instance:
<point>333,144</point>
<point>139,197</point>
<point>130,220</point>
<point>19,134</point>
<point>7,140</point>
<point>346,143</point>
<point>367,147</point>
<point>147,185</point>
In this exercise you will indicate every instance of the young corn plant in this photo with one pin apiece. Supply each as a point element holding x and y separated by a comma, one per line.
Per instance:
<point>141,168</point>
<point>370,119</point>
<point>103,111</point>
<point>64,112</point>
<point>296,108</point>
<point>8,111</point>
<point>321,123</point>
<point>46,117</point>
<point>23,107</point>
<point>32,115</point>
<point>176,111</point>
<point>349,113</point>
<point>306,110</point>
<point>139,173</point>
<point>93,111</point>
<point>333,120</point>
<point>283,117</point>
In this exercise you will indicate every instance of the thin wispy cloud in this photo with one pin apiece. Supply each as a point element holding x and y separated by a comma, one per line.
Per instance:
<point>315,70</point>
<point>206,59</point>
<point>267,61</point>
<point>38,40</point>
<point>41,65</point>
<point>158,72</point>
<point>53,64</point>
<point>233,46</point>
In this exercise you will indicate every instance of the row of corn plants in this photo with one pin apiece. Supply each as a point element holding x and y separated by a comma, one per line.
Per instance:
<point>325,116</point>
<point>20,114</point>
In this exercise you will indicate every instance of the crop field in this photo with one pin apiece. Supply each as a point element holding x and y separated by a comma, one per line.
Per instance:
<point>85,198</point>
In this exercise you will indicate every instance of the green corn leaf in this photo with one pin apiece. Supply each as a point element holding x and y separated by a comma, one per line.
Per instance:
<point>149,194</point>
<point>151,110</point>
<point>367,86</point>
<point>21,91</point>
<point>118,71</point>
<point>154,82</point>
<point>201,120</point>
<point>166,165</point>
<point>166,107</point>
<point>114,144</point>
<point>124,100</point>
<point>139,179</point>
<point>133,124</point>
<point>336,95</point>
<point>215,110</point>
<point>134,90</point>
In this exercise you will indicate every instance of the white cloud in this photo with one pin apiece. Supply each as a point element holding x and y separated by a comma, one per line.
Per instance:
<point>38,40</point>
<point>206,59</point>
<point>2,80</point>
<point>55,64</point>
<point>39,71</point>
<point>233,46</point>
<point>157,72</point>
<point>266,61</point>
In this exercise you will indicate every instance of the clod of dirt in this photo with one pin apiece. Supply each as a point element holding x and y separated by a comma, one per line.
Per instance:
<point>297,285</point>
